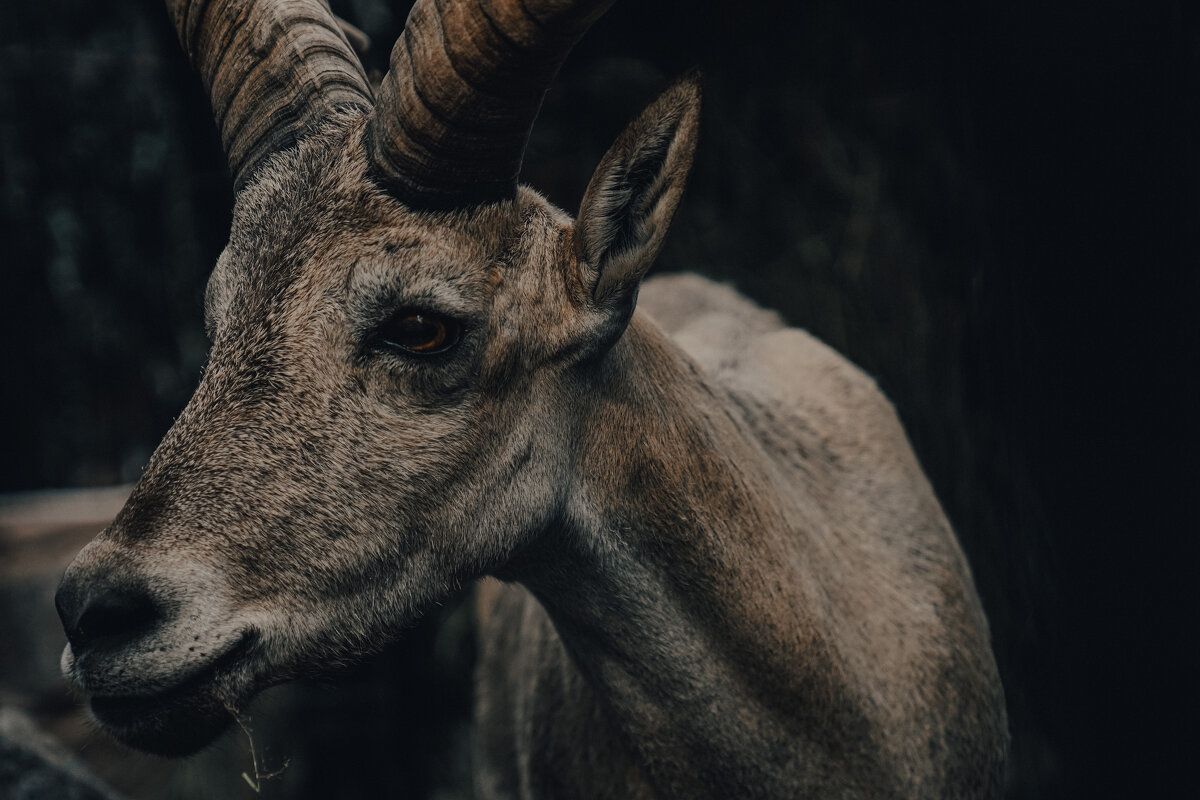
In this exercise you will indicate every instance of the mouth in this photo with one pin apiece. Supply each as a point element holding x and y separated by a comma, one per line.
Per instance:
<point>182,719</point>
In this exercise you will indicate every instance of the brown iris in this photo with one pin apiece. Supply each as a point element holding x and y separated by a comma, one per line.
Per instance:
<point>421,332</point>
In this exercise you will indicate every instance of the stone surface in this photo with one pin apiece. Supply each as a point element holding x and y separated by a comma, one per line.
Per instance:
<point>34,766</point>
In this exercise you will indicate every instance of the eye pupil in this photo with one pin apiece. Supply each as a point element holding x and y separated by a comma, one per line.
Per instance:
<point>421,332</point>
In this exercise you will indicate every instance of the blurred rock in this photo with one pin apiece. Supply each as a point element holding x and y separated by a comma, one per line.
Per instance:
<point>33,766</point>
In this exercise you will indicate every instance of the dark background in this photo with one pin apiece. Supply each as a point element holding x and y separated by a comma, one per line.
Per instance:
<point>991,207</point>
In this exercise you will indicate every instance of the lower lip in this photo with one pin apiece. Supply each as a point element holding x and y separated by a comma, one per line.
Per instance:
<point>177,721</point>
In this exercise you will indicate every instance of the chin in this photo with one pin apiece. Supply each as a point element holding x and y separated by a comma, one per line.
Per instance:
<point>174,723</point>
<point>181,719</point>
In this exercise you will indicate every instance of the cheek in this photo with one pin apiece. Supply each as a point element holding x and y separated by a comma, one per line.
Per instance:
<point>518,472</point>
<point>339,545</point>
<point>397,466</point>
<point>395,430</point>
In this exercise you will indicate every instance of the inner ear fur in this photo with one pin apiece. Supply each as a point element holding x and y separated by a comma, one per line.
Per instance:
<point>633,194</point>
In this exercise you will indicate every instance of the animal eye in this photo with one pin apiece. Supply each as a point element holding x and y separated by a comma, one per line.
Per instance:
<point>420,332</point>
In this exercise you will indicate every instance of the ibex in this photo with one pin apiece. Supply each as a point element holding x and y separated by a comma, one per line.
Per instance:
<point>722,571</point>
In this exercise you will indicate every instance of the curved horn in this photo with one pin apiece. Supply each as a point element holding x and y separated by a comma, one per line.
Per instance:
<point>466,81</point>
<point>273,70</point>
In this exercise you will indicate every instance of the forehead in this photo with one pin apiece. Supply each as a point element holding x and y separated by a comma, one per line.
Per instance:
<point>318,207</point>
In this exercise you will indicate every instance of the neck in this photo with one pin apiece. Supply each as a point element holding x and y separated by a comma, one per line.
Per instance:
<point>673,582</point>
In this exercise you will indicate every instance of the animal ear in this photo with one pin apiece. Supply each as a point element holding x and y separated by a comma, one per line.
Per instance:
<point>632,196</point>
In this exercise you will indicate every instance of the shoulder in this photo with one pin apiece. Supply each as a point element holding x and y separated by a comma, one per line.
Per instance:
<point>785,374</point>
<point>744,346</point>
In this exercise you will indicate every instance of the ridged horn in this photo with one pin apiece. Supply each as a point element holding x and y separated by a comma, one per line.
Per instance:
<point>465,83</point>
<point>274,69</point>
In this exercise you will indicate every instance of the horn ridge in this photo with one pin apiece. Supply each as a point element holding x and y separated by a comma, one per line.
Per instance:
<point>455,110</point>
<point>274,71</point>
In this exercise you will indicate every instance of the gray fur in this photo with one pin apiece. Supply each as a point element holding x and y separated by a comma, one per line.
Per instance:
<point>727,575</point>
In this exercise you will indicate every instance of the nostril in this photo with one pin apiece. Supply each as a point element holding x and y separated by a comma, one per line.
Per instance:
<point>110,618</point>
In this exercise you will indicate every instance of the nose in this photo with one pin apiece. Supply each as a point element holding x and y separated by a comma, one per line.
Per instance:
<point>96,616</point>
